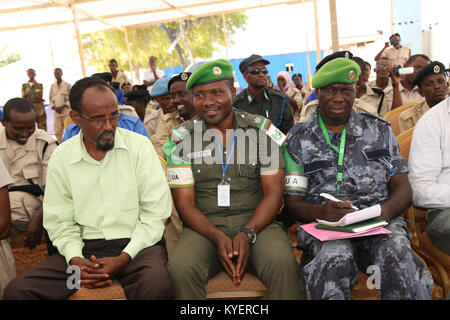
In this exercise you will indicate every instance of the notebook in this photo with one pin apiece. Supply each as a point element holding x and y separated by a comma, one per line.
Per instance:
<point>354,217</point>
<point>327,235</point>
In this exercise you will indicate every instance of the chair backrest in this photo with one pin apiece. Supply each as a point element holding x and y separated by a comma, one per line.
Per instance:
<point>393,116</point>
<point>404,142</point>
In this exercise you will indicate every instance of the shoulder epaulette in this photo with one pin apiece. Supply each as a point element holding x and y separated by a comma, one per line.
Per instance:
<point>371,115</point>
<point>179,133</point>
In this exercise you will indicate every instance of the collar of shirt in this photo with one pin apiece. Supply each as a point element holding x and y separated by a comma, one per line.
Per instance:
<point>354,124</point>
<point>239,122</point>
<point>30,145</point>
<point>251,98</point>
<point>402,88</point>
<point>79,151</point>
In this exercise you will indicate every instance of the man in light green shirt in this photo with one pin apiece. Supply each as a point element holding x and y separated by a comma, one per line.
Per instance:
<point>105,205</point>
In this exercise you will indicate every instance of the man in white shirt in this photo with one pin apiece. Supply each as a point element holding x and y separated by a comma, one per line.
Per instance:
<point>153,74</point>
<point>429,174</point>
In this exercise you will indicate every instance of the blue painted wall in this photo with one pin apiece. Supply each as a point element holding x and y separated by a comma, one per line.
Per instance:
<point>407,22</point>
<point>277,64</point>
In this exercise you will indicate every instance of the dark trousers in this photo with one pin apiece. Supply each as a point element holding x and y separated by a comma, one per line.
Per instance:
<point>145,277</point>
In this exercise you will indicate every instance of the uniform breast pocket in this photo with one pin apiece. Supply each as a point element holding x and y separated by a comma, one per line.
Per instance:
<point>31,172</point>
<point>378,164</point>
<point>321,172</point>
<point>246,175</point>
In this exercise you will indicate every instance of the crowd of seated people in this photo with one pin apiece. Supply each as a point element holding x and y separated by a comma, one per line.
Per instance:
<point>238,170</point>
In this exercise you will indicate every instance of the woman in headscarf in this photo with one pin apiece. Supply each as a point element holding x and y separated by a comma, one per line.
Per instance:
<point>294,95</point>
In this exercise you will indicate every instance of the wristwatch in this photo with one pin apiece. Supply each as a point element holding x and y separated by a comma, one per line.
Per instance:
<point>251,235</point>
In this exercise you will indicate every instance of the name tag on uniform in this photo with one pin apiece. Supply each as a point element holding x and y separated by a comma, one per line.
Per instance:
<point>223,195</point>
<point>276,134</point>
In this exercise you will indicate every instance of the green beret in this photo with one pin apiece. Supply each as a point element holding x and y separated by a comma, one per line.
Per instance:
<point>339,70</point>
<point>210,71</point>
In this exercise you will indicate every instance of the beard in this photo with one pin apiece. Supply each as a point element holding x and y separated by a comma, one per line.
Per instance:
<point>103,143</point>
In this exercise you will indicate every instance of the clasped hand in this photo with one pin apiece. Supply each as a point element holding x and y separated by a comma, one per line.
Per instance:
<point>237,249</point>
<point>99,272</point>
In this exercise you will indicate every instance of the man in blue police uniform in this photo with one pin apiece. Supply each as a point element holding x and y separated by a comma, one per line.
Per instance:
<point>355,157</point>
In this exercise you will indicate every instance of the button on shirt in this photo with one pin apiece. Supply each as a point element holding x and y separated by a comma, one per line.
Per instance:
<point>429,158</point>
<point>124,196</point>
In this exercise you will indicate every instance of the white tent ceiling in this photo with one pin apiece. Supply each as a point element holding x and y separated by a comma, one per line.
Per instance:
<point>95,15</point>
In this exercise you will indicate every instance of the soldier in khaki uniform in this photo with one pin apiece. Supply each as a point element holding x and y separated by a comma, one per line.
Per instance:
<point>7,265</point>
<point>228,199</point>
<point>59,102</point>
<point>373,96</point>
<point>162,96</point>
<point>396,53</point>
<point>25,152</point>
<point>182,100</point>
<point>432,86</point>
<point>33,91</point>
<point>117,75</point>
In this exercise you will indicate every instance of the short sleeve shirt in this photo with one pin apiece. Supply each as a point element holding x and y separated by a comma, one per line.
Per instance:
<point>372,156</point>
<point>200,163</point>
<point>5,178</point>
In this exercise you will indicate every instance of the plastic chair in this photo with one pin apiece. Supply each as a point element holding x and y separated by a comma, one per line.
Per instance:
<point>393,116</point>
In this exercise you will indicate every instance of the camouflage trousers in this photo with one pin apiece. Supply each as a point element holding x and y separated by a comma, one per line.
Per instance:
<point>335,265</point>
<point>41,116</point>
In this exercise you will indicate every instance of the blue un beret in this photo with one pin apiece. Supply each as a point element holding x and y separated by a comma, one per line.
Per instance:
<point>160,87</point>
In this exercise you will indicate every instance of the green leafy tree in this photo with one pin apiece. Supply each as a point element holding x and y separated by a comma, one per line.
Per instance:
<point>194,38</point>
<point>10,58</point>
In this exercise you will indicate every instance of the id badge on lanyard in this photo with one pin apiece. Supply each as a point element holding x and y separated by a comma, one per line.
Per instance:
<point>223,188</point>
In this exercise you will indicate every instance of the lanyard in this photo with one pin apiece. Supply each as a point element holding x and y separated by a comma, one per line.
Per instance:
<point>224,168</point>
<point>339,150</point>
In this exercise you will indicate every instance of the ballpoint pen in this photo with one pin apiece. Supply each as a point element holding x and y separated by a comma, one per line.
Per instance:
<point>330,197</point>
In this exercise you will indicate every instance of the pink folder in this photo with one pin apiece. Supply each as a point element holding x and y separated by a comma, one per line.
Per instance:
<point>327,235</point>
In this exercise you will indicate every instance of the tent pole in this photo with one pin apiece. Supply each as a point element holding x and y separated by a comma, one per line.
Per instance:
<point>80,46</point>
<point>334,26</point>
<point>308,78</point>
<point>316,20</point>
<point>225,34</point>
<point>130,64</point>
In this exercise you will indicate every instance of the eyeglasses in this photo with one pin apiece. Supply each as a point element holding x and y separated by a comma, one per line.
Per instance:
<point>381,66</point>
<point>113,118</point>
<point>257,71</point>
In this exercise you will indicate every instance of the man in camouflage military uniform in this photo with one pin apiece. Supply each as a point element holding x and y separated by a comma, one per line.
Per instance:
<point>228,206</point>
<point>25,152</point>
<point>432,86</point>
<point>368,171</point>
<point>32,91</point>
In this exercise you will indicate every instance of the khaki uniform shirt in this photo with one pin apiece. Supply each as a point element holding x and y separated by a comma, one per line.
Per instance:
<point>358,106</point>
<point>59,96</point>
<point>410,116</point>
<point>152,120</point>
<point>388,96</point>
<point>296,94</point>
<point>168,122</point>
<point>372,98</point>
<point>397,56</point>
<point>406,95</point>
<point>26,162</point>
<point>121,78</point>
<point>129,110</point>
